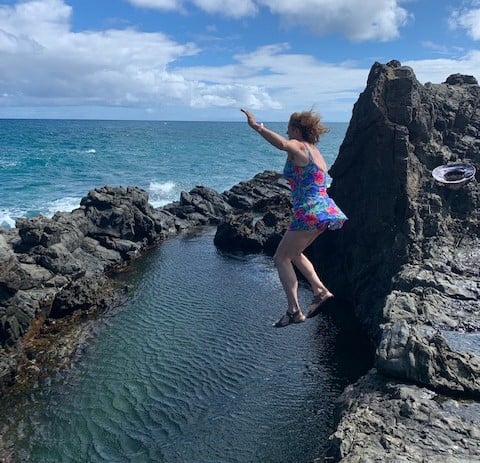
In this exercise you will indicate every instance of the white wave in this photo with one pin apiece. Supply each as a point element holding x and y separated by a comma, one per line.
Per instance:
<point>161,193</point>
<point>66,204</point>
<point>4,164</point>
<point>91,151</point>
<point>6,220</point>
<point>162,188</point>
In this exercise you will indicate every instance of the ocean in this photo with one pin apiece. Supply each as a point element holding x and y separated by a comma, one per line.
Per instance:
<point>189,368</point>
<point>49,165</point>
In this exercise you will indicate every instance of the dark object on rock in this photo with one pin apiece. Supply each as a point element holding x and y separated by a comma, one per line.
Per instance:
<point>461,79</point>
<point>455,175</point>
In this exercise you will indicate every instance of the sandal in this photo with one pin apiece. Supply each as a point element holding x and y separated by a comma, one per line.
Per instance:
<point>317,303</point>
<point>288,317</point>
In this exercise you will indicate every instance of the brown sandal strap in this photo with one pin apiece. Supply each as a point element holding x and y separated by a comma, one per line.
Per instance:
<point>317,299</point>
<point>292,318</point>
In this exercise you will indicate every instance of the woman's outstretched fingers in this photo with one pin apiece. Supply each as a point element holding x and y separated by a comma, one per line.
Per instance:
<point>250,117</point>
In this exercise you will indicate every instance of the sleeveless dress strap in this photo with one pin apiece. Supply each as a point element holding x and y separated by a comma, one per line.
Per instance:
<point>310,157</point>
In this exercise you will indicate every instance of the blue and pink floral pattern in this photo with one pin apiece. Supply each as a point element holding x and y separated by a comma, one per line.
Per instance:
<point>312,207</point>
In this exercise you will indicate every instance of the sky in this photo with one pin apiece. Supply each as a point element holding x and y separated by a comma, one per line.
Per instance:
<point>205,59</point>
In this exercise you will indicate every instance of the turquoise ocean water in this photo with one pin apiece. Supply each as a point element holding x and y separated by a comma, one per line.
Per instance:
<point>189,369</point>
<point>49,165</point>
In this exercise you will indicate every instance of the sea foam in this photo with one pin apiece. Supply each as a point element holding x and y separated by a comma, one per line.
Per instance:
<point>6,220</point>
<point>161,193</point>
<point>66,204</point>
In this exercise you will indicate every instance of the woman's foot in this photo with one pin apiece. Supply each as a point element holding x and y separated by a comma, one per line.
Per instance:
<point>290,317</point>
<point>317,303</point>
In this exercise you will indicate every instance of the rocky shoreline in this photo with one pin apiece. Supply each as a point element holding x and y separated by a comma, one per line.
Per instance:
<point>53,268</point>
<point>407,262</point>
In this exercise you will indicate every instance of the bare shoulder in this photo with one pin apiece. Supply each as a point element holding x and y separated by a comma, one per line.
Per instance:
<point>296,152</point>
<point>295,145</point>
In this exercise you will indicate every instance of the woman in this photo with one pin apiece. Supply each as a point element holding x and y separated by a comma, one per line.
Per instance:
<point>313,211</point>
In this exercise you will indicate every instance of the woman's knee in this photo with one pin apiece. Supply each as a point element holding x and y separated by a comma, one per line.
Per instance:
<point>280,258</point>
<point>287,250</point>
<point>297,258</point>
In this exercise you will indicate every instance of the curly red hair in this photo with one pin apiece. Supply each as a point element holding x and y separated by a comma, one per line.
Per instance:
<point>309,124</point>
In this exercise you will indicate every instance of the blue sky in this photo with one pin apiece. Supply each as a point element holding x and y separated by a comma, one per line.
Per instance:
<point>204,59</point>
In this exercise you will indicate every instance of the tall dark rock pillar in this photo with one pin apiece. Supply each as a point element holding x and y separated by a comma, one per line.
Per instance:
<point>399,132</point>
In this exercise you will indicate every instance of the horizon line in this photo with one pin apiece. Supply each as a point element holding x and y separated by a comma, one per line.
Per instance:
<point>141,120</point>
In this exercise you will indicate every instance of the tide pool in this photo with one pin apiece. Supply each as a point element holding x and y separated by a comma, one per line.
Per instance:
<point>190,369</point>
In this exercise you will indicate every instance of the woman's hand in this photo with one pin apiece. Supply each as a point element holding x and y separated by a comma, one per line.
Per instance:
<point>250,119</point>
<point>272,137</point>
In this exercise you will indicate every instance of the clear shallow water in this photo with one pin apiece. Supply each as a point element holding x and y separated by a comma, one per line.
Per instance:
<point>191,370</point>
<point>49,165</point>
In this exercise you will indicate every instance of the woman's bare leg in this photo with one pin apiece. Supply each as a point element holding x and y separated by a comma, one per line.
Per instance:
<point>289,252</point>
<point>308,271</point>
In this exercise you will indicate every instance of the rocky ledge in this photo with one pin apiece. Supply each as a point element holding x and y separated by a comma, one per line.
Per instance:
<point>408,261</point>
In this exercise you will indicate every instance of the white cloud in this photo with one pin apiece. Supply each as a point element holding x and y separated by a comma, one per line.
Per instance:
<point>366,20</point>
<point>434,70</point>
<point>158,4</point>
<point>42,62</point>
<point>434,46</point>
<point>41,59</point>
<point>292,81</point>
<point>44,18</point>
<point>233,96</point>
<point>231,8</point>
<point>468,19</point>
<point>370,20</point>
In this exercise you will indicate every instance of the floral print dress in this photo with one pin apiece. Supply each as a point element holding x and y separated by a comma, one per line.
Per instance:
<point>312,207</point>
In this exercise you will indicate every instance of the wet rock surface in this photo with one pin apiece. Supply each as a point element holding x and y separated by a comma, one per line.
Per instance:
<point>396,422</point>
